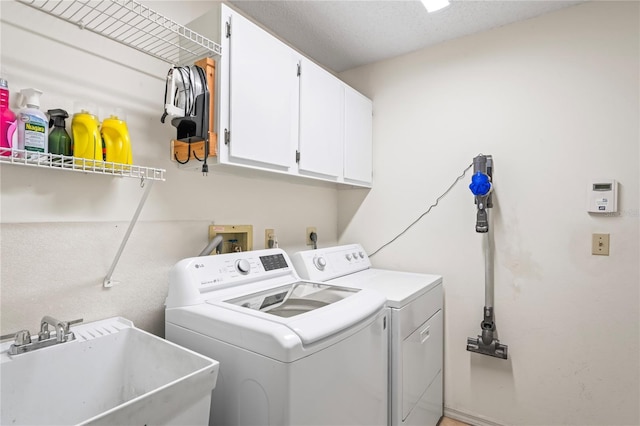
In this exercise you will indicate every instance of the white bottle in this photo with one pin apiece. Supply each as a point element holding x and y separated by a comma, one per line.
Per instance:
<point>33,125</point>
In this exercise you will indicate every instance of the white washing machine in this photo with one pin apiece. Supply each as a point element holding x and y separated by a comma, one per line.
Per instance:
<point>291,352</point>
<point>414,303</point>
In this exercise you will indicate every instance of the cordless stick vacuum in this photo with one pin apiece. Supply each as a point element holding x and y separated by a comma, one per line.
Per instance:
<point>481,187</point>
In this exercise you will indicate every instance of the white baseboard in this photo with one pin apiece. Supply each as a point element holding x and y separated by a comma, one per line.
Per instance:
<point>468,418</point>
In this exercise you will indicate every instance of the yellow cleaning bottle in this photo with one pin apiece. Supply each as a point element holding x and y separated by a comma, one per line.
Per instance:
<point>116,140</point>
<point>87,143</point>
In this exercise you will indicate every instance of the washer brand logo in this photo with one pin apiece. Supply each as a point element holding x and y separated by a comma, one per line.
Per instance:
<point>199,265</point>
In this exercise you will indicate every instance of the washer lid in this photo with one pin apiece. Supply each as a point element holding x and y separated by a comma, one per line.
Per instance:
<point>311,310</point>
<point>293,299</point>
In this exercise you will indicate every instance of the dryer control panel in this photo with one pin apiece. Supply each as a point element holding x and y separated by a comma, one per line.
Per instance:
<point>329,263</point>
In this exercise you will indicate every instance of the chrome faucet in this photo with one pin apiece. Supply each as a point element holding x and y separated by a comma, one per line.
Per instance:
<point>24,343</point>
<point>62,329</point>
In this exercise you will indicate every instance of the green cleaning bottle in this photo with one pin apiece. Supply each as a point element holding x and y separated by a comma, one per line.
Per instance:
<point>59,139</point>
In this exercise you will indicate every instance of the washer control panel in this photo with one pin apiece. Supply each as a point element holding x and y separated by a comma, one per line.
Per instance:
<point>224,270</point>
<point>328,263</point>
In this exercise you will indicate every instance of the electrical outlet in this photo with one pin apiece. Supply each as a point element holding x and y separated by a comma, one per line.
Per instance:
<point>600,244</point>
<point>268,235</point>
<point>310,229</point>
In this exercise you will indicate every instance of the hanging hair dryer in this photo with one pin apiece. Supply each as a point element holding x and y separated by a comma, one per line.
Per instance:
<point>482,187</point>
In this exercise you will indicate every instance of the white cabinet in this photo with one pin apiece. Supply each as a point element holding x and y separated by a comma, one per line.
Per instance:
<point>358,128</point>
<point>263,97</point>
<point>279,111</point>
<point>335,128</point>
<point>321,136</point>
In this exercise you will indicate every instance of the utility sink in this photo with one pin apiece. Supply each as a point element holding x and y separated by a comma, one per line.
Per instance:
<point>111,374</point>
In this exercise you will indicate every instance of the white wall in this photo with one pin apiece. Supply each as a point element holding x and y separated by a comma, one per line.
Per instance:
<point>555,100</point>
<point>60,231</point>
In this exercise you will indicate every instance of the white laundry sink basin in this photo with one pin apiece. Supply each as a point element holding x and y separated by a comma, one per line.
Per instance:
<point>111,374</point>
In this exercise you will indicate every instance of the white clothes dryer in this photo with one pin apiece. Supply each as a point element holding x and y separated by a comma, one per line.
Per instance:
<point>414,303</point>
<point>291,352</point>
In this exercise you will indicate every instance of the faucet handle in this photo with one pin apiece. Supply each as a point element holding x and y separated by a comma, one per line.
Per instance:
<point>23,337</point>
<point>44,335</point>
<point>66,334</point>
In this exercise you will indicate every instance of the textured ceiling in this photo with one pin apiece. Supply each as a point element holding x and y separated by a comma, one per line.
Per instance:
<point>341,35</point>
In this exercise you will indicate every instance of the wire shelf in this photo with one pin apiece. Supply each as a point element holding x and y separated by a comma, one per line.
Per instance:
<point>134,25</point>
<point>62,162</point>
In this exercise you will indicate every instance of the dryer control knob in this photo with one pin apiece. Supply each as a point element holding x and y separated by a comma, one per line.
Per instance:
<point>320,262</point>
<point>361,255</point>
<point>243,266</point>
<point>348,256</point>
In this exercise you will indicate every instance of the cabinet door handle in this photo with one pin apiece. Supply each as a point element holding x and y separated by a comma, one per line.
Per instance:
<point>424,335</point>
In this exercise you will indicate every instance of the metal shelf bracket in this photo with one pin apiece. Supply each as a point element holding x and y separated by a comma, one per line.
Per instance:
<point>108,282</point>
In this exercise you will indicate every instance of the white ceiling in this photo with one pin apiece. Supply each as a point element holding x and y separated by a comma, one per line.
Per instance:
<point>341,35</point>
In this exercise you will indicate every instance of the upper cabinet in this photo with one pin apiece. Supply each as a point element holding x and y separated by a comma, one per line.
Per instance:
<point>279,111</point>
<point>358,128</point>
<point>262,77</point>
<point>321,136</point>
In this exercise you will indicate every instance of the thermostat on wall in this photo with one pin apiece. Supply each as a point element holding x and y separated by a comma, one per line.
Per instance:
<point>603,196</point>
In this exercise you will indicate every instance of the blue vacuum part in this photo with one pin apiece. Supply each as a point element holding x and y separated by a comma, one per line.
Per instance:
<point>480,184</point>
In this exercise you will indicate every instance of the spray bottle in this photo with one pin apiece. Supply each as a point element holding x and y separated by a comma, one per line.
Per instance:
<point>7,118</point>
<point>33,126</point>
<point>59,139</point>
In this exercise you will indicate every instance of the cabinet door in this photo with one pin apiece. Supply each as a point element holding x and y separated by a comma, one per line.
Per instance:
<point>263,97</point>
<point>358,122</point>
<point>321,121</point>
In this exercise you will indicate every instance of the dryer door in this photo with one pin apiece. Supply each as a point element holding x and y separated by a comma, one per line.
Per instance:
<point>421,363</point>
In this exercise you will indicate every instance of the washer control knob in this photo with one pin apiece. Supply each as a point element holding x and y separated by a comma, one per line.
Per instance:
<point>320,262</point>
<point>348,255</point>
<point>361,255</point>
<point>243,266</point>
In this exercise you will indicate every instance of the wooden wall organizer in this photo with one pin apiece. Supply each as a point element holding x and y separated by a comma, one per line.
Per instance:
<point>181,149</point>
